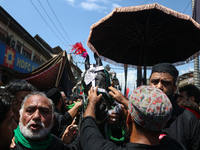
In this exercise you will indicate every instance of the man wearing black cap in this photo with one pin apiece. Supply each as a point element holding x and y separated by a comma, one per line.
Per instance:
<point>183,126</point>
<point>63,118</point>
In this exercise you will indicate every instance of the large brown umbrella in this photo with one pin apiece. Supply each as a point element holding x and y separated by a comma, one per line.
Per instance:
<point>145,35</point>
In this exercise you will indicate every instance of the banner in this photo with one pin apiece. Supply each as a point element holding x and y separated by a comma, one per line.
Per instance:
<point>11,59</point>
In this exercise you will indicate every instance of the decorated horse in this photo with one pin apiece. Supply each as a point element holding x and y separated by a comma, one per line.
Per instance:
<point>96,75</point>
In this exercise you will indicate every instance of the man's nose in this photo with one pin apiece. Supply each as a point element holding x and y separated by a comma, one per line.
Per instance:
<point>36,114</point>
<point>159,86</point>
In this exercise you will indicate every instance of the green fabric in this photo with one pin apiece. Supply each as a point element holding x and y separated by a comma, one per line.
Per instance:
<point>41,145</point>
<point>70,106</point>
<point>109,132</point>
<point>107,78</point>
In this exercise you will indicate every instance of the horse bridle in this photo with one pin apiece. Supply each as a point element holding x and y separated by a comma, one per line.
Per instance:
<point>90,75</point>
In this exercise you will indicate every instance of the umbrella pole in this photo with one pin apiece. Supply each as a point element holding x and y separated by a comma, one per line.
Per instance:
<point>125,75</point>
<point>145,75</point>
<point>139,76</point>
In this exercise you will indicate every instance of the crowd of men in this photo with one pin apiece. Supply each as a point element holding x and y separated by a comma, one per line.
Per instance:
<point>153,117</point>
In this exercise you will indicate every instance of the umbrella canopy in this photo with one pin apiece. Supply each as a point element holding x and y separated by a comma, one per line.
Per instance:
<point>145,35</point>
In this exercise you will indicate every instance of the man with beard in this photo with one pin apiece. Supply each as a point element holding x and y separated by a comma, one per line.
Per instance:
<point>36,120</point>
<point>183,126</point>
<point>189,98</point>
<point>7,122</point>
<point>148,111</point>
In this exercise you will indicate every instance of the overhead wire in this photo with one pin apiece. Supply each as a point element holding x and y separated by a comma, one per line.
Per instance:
<point>187,6</point>
<point>61,26</point>
<point>51,21</point>
<point>59,22</point>
<point>46,22</point>
<point>144,2</point>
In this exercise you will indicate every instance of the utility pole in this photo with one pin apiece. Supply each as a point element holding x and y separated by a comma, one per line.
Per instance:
<point>196,59</point>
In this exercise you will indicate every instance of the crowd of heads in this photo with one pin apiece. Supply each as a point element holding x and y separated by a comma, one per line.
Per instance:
<point>149,107</point>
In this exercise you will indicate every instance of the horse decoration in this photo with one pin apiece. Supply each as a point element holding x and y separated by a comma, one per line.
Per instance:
<point>96,75</point>
<point>114,80</point>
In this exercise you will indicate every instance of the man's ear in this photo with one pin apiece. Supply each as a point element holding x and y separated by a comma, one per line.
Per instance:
<point>175,88</point>
<point>129,121</point>
<point>192,99</point>
<point>61,101</point>
<point>54,118</point>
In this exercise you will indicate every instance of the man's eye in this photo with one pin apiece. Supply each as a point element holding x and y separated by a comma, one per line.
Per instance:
<point>166,83</point>
<point>44,111</point>
<point>30,111</point>
<point>154,82</point>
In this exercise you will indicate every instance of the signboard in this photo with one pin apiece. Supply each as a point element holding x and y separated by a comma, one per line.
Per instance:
<point>14,60</point>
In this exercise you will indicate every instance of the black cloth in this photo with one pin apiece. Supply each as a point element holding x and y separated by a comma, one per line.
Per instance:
<point>61,123</point>
<point>167,68</point>
<point>92,139</point>
<point>54,94</point>
<point>184,127</point>
<point>56,144</point>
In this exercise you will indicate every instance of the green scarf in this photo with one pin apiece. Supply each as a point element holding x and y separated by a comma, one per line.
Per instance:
<point>109,132</point>
<point>72,105</point>
<point>41,145</point>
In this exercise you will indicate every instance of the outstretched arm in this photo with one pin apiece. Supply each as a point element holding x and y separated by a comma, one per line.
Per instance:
<point>118,96</point>
<point>73,111</point>
<point>93,100</point>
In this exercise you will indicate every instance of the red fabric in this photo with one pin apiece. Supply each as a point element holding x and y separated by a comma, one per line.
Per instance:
<point>127,91</point>
<point>161,136</point>
<point>193,111</point>
<point>45,79</point>
<point>79,49</point>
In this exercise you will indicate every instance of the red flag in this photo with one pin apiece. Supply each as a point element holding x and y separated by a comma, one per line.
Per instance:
<point>127,91</point>
<point>79,49</point>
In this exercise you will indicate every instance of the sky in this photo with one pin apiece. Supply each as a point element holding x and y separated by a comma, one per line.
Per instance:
<point>65,22</point>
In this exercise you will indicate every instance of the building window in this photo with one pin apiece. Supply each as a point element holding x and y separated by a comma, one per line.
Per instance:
<point>36,59</point>
<point>3,35</point>
<point>26,52</point>
<point>18,47</point>
<point>42,61</point>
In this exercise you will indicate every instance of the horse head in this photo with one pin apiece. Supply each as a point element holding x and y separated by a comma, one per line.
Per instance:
<point>96,75</point>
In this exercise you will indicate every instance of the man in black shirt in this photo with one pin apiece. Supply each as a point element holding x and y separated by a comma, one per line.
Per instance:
<point>148,111</point>
<point>183,125</point>
<point>63,118</point>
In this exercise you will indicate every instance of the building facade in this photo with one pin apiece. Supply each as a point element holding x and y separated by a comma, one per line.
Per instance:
<point>19,51</point>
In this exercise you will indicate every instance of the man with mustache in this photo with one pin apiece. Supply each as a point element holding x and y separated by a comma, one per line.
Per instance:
<point>7,122</point>
<point>36,120</point>
<point>182,126</point>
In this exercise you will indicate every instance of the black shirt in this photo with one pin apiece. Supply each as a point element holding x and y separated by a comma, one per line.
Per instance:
<point>61,123</point>
<point>183,127</point>
<point>92,139</point>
